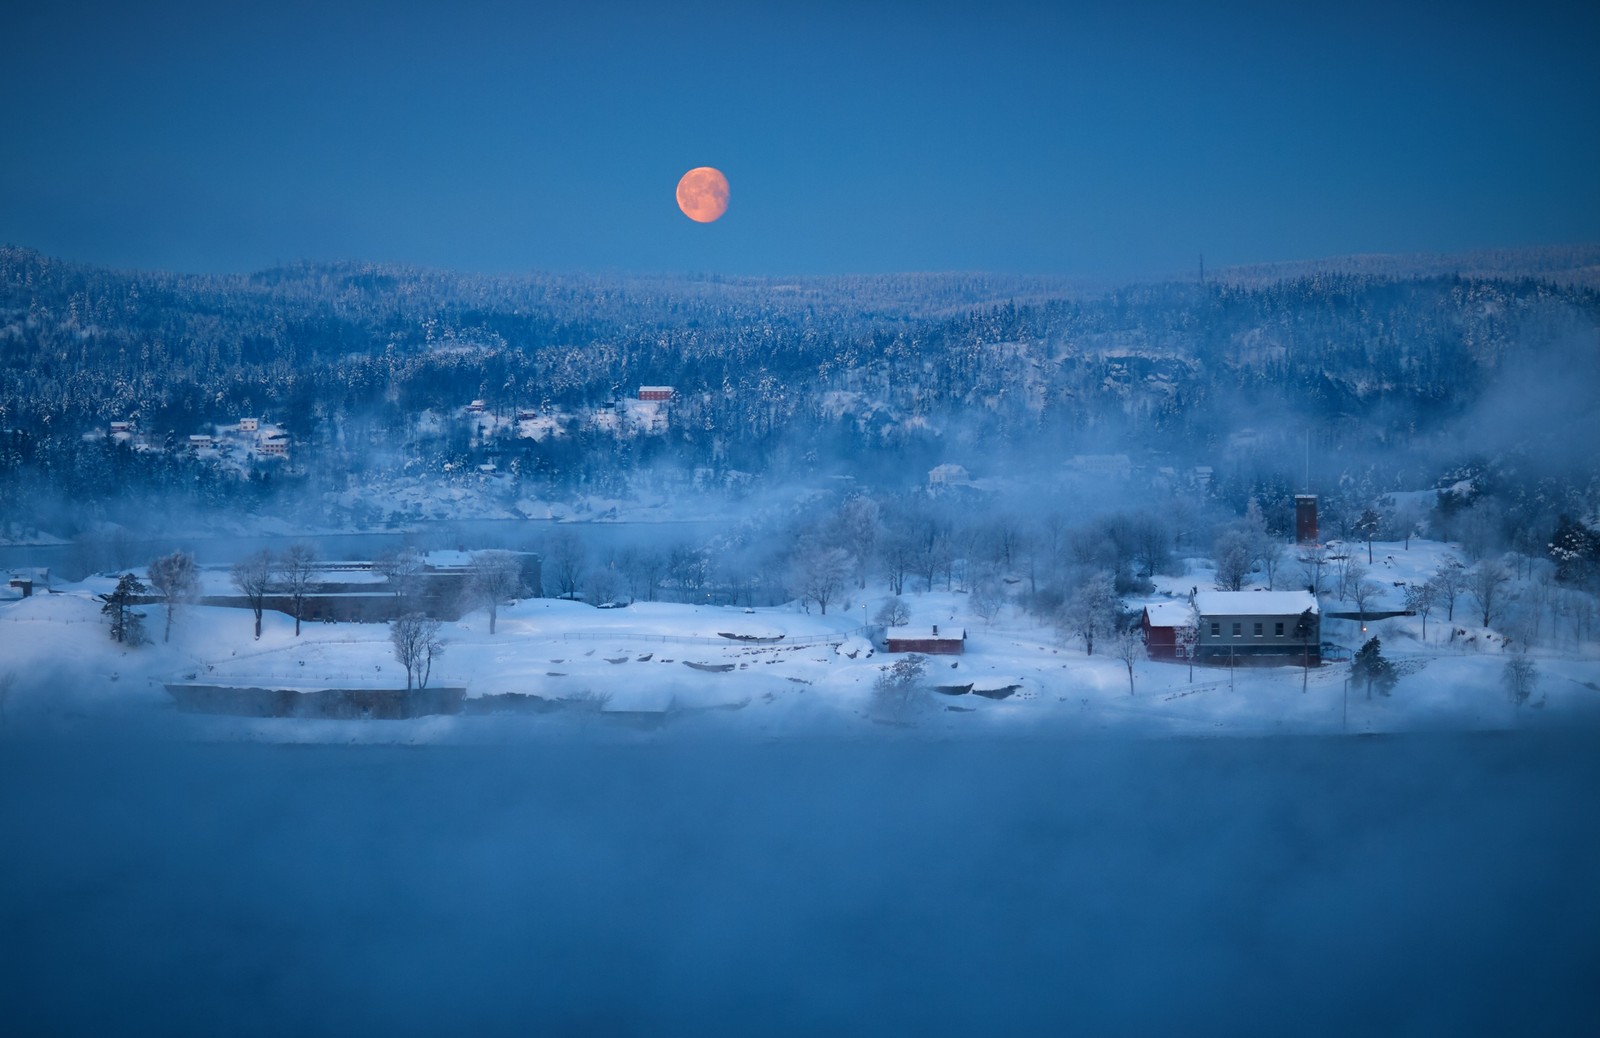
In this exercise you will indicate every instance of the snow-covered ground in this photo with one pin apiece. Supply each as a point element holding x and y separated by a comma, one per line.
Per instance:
<point>782,670</point>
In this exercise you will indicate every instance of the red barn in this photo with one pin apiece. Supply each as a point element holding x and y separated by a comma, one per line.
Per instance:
<point>951,641</point>
<point>1161,622</point>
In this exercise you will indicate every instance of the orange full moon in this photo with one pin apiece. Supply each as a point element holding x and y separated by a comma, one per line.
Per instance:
<point>703,194</point>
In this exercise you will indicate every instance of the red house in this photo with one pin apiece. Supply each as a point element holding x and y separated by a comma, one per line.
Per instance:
<point>1161,622</point>
<point>655,392</point>
<point>952,641</point>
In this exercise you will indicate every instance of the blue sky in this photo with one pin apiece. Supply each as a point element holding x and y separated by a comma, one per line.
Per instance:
<point>1094,140</point>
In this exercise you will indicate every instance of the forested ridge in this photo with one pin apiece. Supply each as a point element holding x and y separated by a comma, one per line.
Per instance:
<point>875,375</point>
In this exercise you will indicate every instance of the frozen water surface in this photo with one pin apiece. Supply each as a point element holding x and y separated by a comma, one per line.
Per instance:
<point>1418,884</point>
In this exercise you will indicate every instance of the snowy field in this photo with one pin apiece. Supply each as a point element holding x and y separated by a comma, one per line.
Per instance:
<point>780,671</point>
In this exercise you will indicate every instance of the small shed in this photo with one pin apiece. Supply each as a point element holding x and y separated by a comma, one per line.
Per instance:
<point>951,641</point>
<point>1162,622</point>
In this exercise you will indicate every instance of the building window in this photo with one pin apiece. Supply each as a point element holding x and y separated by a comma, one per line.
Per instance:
<point>1258,628</point>
<point>1277,628</point>
<point>1238,628</point>
<point>1216,630</point>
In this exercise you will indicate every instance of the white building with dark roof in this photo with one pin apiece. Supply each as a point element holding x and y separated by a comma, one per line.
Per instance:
<point>1257,626</point>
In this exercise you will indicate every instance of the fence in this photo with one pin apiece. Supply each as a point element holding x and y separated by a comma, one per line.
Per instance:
<point>685,639</point>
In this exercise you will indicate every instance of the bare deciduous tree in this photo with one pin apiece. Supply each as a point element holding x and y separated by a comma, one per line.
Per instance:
<point>176,579</point>
<point>1450,580</point>
<point>898,558</point>
<point>1363,593</point>
<point>1420,599</point>
<point>402,569</point>
<point>893,613</point>
<point>1270,551</point>
<point>1520,677</point>
<point>986,599</point>
<point>1234,560</point>
<point>689,569</point>
<point>896,690</point>
<point>252,576</point>
<point>1092,610</point>
<point>495,577</point>
<point>820,573</point>
<point>1312,560</point>
<point>642,568</point>
<point>856,527</point>
<point>1129,647</point>
<point>1486,583</point>
<point>565,559</point>
<point>1352,574</point>
<point>297,577</point>
<point>416,645</point>
<point>600,588</point>
<point>1185,637</point>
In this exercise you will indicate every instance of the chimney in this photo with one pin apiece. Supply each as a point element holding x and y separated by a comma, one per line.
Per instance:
<point>1305,518</point>
<point>936,630</point>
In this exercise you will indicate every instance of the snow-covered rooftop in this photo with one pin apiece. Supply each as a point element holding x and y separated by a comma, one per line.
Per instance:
<point>1254,603</point>
<point>926,634</point>
<point>1169,614</point>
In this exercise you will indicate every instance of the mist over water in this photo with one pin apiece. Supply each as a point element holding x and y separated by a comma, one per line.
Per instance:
<point>1410,885</point>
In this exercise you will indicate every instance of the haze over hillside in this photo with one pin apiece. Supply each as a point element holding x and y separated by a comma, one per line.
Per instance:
<point>1385,373</point>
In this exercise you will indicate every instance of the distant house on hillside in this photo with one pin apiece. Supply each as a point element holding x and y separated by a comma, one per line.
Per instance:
<point>1257,626</point>
<point>945,474</point>
<point>952,641</point>
<point>249,425</point>
<point>655,392</point>
<point>1115,467</point>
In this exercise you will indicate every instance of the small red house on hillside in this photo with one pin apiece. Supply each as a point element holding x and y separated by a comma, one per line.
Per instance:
<point>952,641</point>
<point>655,392</point>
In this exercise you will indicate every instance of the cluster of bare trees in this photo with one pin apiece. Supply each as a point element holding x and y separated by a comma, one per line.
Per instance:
<point>292,575</point>
<point>1245,547</point>
<point>417,644</point>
